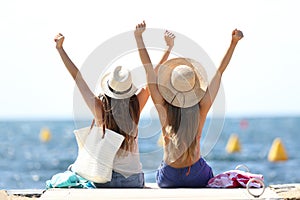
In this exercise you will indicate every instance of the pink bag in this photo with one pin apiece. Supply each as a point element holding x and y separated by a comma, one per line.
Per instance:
<point>235,179</point>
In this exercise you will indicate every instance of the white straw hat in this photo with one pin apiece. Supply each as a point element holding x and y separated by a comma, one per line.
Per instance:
<point>118,83</point>
<point>182,82</point>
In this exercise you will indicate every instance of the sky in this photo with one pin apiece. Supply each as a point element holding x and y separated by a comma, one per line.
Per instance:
<point>261,79</point>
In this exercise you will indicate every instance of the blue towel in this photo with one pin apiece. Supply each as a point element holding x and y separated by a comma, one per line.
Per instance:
<point>68,179</point>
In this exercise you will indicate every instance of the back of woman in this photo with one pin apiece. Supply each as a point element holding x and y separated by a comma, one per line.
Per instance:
<point>183,98</point>
<point>182,84</point>
<point>180,135</point>
<point>122,116</point>
<point>117,109</point>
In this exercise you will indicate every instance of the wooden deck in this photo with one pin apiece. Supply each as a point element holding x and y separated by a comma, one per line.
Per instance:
<point>284,191</point>
<point>166,194</point>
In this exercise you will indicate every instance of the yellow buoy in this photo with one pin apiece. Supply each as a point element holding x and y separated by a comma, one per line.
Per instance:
<point>277,151</point>
<point>233,144</point>
<point>160,141</point>
<point>45,135</point>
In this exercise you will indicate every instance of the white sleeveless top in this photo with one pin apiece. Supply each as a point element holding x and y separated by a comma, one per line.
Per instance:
<point>129,164</point>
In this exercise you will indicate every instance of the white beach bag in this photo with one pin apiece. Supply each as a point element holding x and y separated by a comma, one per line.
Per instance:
<point>96,153</point>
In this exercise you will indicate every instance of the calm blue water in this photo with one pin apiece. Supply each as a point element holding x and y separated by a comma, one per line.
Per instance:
<point>26,162</point>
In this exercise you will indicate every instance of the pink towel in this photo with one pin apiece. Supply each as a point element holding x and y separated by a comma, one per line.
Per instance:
<point>234,179</point>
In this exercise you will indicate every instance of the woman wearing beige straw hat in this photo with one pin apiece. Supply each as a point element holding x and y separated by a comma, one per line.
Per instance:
<point>117,109</point>
<point>182,98</point>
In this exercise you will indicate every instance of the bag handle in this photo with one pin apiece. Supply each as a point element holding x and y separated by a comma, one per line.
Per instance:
<point>92,125</point>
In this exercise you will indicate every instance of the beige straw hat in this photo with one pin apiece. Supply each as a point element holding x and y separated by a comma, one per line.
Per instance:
<point>118,83</point>
<point>182,82</point>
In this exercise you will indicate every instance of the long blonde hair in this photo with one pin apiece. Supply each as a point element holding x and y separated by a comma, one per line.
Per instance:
<point>181,129</point>
<point>122,116</point>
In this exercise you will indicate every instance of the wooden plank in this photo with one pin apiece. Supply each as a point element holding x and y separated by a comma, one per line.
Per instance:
<point>287,191</point>
<point>154,193</point>
<point>26,192</point>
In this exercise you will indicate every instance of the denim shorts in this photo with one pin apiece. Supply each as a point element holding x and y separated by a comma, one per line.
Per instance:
<point>194,176</point>
<point>119,181</point>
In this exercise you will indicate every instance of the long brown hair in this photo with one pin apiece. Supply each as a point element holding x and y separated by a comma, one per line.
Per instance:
<point>122,116</point>
<point>181,129</point>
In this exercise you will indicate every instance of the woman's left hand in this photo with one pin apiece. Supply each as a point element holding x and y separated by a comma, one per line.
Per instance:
<point>237,35</point>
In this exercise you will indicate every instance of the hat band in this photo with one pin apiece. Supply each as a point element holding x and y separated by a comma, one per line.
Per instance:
<point>118,92</point>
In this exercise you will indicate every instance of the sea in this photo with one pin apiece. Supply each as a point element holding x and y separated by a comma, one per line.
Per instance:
<point>29,157</point>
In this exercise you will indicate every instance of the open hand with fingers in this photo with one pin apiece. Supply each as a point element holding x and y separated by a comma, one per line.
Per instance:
<point>140,28</point>
<point>169,38</point>
<point>59,39</point>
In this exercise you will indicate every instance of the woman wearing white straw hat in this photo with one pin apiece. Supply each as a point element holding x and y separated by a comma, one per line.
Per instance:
<point>182,98</point>
<point>118,110</point>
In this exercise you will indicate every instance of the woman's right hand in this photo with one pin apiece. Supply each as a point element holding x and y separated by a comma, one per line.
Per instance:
<point>139,29</point>
<point>59,39</point>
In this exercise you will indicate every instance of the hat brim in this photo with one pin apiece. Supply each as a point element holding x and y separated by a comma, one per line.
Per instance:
<point>174,97</point>
<point>105,88</point>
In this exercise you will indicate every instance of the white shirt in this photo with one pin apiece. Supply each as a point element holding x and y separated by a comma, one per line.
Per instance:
<point>129,164</point>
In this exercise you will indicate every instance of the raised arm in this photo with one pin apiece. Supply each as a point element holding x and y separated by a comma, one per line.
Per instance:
<point>143,96</point>
<point>150,75</point>
<point>214,85</point>
<point>144,93</point>
<point>169,38</point>
<point>93,102</point>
